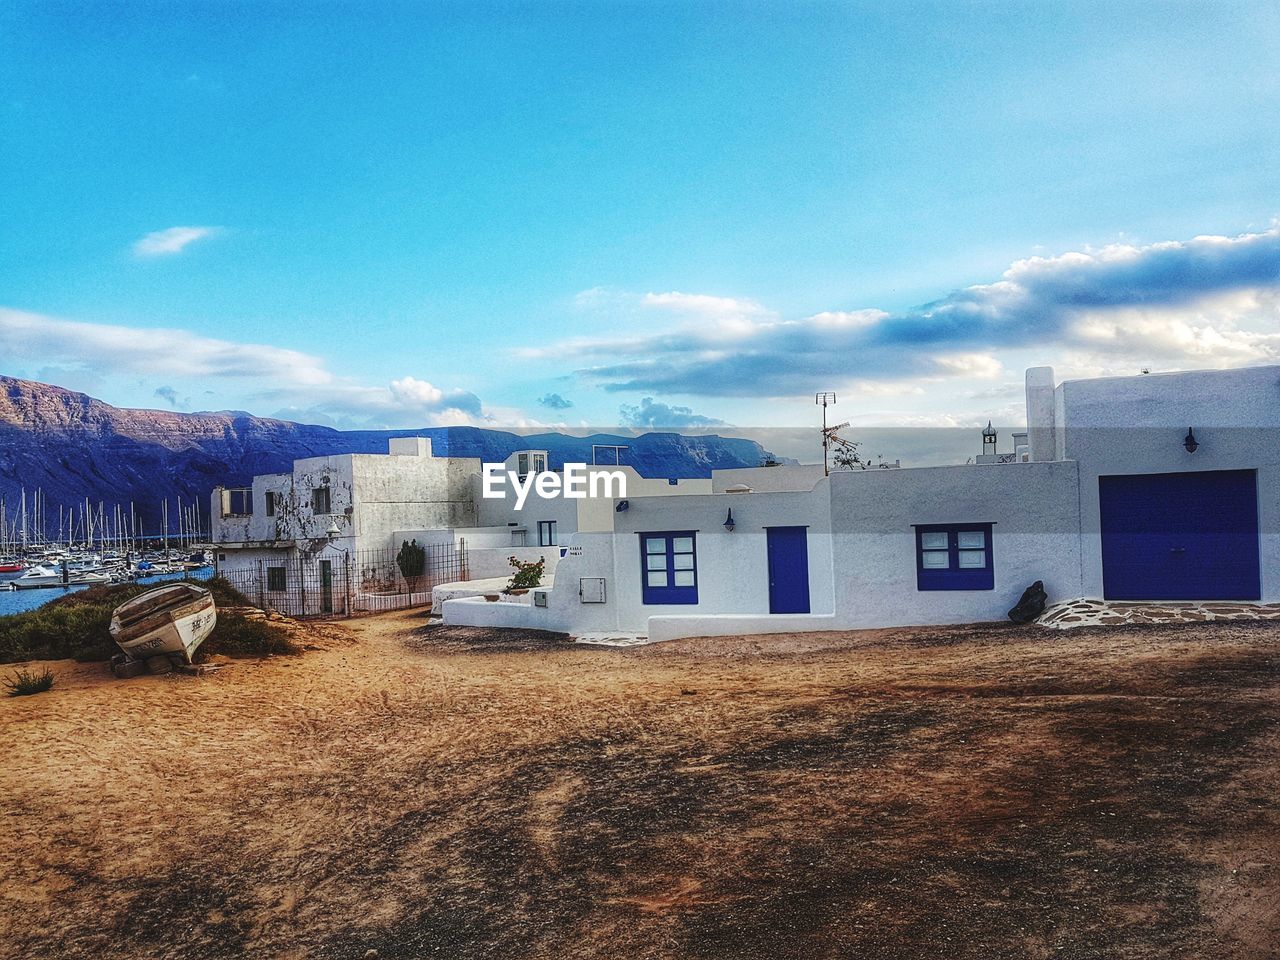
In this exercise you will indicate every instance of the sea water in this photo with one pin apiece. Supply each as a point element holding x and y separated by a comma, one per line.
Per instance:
<point>16,601</point>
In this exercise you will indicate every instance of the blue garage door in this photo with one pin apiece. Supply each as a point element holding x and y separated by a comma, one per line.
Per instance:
<point>1180,536</point>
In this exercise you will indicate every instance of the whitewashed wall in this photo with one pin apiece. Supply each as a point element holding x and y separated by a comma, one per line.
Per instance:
<point>571,516</point>
<point>733,575</point>
<point>1136,425</point>
<point>1036,537</point>
<point>799,477</point>
<point>861,548</point>
<point>591,555</point>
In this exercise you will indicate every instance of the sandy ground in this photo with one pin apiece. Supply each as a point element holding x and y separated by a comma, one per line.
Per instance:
<point>986,792</point>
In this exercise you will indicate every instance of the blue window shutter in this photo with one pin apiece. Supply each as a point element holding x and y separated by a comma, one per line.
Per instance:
<point>665,557</point>
<point>959,572</point>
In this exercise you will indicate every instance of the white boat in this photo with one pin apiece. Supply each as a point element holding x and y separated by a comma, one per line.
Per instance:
<point>170,619</point>
<point>53,577</point>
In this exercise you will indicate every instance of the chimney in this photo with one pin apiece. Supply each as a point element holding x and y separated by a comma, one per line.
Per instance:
<point>409,446</point>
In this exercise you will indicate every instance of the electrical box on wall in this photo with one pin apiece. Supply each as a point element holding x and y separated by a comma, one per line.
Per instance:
<point>591,589</point>
<point>539,598</point>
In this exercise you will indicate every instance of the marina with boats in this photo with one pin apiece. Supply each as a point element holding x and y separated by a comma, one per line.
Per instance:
<point>43,554</point>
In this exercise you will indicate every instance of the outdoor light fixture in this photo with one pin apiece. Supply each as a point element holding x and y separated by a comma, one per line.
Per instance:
<point>621,506</point>
<point>728,521</point>
<point>1190,441</point>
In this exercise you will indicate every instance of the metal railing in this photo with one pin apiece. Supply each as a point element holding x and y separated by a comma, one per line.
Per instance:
<point>346,584</point>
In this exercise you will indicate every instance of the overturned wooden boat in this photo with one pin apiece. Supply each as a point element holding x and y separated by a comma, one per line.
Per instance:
<point>173,619</point>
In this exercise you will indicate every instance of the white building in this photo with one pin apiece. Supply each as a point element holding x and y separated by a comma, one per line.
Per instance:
<point>324,538</point>
<point>316,539</point>
<point>1159,487</point>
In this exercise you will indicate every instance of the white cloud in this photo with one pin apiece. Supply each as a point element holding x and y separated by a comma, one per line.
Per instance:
<point>980,366</point>
<point>1207,301</point>
<point>703,304</point>
<point>410,390</point>
<point>148,351</point>
<point>888,388</point>
<point>651,414</point>
<point>164,243</point>
<point>844,319</point>
<point>300,382</point>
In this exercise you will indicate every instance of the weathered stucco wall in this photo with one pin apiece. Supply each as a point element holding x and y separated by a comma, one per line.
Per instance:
<point>410,493</point>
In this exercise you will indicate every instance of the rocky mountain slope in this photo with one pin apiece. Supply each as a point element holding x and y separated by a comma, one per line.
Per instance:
<point>71,446</point>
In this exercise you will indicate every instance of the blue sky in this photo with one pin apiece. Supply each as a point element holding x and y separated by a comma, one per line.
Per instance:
<point>658,214</point>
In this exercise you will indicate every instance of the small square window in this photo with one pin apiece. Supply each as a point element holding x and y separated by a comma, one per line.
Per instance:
<point>669,568</point>
<point>321,504</point>
<point>239,503</point>
<point>954,557</point>
<point>276,579</point>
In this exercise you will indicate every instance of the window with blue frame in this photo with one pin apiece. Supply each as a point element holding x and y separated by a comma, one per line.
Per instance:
<point>669,567</point>
<point>955,556</point>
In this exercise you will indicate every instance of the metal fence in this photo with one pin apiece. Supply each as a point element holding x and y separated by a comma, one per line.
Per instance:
<point>346,584</point>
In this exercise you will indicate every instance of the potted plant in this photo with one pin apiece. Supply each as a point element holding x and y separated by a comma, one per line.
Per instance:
<point>527,575</point>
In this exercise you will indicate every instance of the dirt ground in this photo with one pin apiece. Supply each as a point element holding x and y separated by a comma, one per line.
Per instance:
<point>982,792</point>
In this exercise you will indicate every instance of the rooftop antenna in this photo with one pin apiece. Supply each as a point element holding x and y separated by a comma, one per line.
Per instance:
<point>824,399</point>
<point>847,454</point>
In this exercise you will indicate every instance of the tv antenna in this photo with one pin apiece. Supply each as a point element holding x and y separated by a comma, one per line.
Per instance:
<point>825,398</point>
<point>847,450</point>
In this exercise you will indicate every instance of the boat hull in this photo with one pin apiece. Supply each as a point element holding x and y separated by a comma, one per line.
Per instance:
<point>171,620</point>
<point>55,580</point>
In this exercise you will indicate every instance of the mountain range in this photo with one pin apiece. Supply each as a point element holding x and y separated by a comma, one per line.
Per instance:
<point>72,447</point>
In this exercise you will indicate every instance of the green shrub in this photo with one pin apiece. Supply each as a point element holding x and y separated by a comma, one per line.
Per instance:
<point>412,560</point>
<point>240,636</point>
<point>24,683</point>
<point>53,632</point>
<point>527,574</point>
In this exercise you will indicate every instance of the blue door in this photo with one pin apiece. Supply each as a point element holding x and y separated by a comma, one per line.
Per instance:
<point>1180,536</point>
<point>788,569</point>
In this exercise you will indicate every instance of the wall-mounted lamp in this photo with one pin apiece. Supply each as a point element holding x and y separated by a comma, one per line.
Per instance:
<point>1190,441</point>
<point>728,521</point>
<point>621,506</point>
